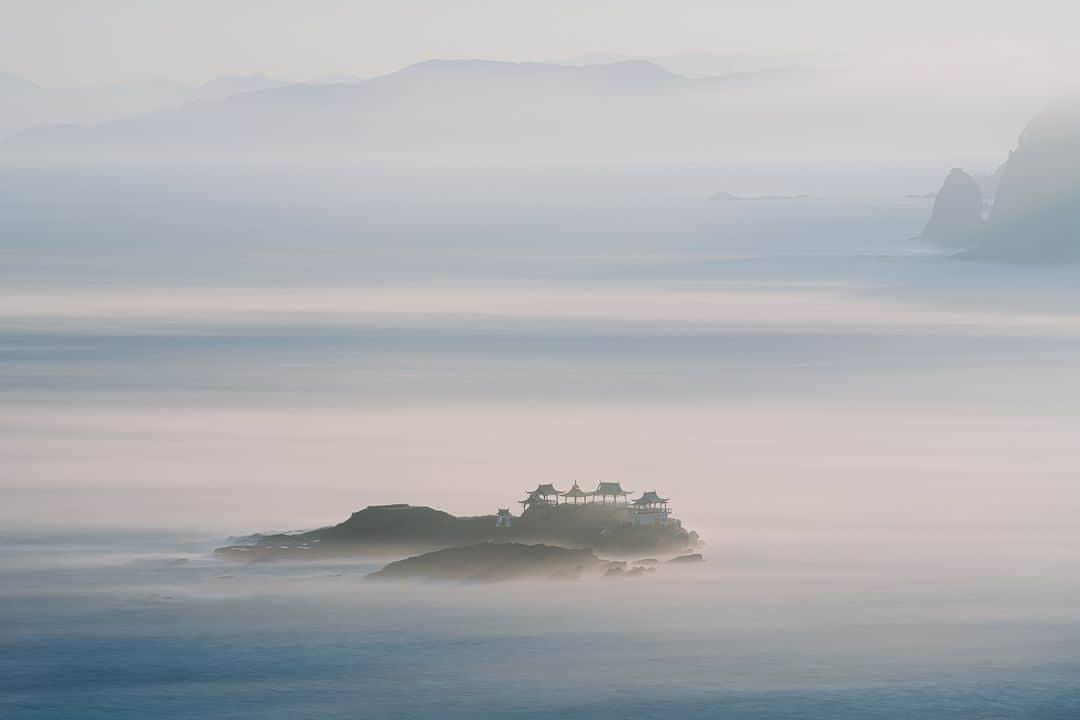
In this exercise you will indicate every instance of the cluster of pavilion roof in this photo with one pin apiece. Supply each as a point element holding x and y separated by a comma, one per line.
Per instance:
<point>543,494</point>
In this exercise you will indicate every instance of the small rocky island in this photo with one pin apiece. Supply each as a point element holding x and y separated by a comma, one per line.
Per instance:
<point>557,534</point>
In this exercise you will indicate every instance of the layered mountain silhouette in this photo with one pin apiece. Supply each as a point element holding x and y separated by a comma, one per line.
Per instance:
<point>26,104</point>
<point>465,108</point>
<point>484,112</point>
<point>704,64</point>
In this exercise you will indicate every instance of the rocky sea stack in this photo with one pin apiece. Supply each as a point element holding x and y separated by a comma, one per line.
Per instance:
<point>957,214</point>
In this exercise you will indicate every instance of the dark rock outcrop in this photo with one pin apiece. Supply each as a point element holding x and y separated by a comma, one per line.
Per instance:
<point>957,214</point>
<point>492,562</point>
<point>400,529</point>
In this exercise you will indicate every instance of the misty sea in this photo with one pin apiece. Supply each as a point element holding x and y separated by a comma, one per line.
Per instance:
<point>146,626</point>
<point>875,440</point>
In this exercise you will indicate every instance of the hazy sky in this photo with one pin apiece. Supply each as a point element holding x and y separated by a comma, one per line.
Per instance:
<point>60,42</point>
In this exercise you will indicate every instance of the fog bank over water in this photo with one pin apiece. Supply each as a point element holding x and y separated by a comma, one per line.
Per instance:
<point>876,442</point>
<point>271,268</point>
<point>764,633</point>
<point>297,356</point>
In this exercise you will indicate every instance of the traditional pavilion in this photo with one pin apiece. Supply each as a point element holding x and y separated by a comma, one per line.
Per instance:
<point>545,494</point>
<point>611,490</point>
<point>576,494</point>
<point>651,509</point>
<point>531,500</point>
<point>503,518</point>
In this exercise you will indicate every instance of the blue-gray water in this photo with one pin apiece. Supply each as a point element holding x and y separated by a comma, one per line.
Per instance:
<point>877,442</point>
<point>92,631</point>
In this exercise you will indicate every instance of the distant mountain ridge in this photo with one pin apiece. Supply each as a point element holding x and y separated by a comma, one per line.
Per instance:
<point>13,83</point>
<point>469,112</point>
<point>436,104</point>
<point>703,64</point>
<point>26,104</point>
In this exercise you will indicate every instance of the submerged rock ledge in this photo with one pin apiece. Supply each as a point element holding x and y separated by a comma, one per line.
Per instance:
<point>503,561</point>
<point>491,562</point>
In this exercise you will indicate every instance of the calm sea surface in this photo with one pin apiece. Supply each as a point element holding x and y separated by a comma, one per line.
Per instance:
<point>99,629</point>
<point>877,442</point>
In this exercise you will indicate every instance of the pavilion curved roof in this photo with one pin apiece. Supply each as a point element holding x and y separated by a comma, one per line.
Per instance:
<point>545,489</point>
<point>575,492</point>
<point>609,488</point>
<point>650,498</point>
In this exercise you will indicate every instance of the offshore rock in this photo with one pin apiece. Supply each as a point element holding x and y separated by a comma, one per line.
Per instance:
<point>957,214</point>
<point>493,562</point>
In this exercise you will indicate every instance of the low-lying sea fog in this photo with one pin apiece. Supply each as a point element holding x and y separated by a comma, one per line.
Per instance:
<point>877,442</point>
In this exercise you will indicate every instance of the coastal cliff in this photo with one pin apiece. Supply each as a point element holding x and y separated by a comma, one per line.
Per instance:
<point>1036,212</point>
